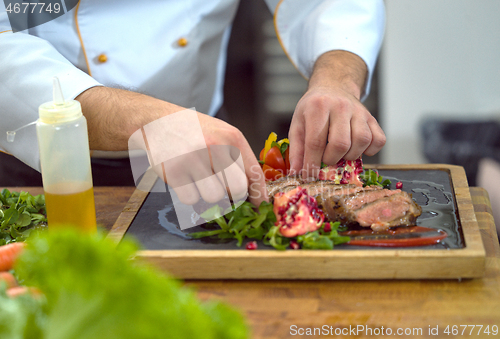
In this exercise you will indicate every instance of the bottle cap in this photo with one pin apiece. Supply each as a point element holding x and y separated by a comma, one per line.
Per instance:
<point>59,110</point>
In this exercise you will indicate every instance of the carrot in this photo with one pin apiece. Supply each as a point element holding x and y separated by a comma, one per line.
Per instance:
<point>9,254</point>
<point>8,278</point>
<point>20,290</point>
<point>17,291</point>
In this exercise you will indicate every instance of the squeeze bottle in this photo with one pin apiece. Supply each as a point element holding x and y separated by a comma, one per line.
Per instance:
<point>65,162</point>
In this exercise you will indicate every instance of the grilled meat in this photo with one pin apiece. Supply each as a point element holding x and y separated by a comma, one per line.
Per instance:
<point>396,210</point>
<point>371,206</point>
<point>281,184</point>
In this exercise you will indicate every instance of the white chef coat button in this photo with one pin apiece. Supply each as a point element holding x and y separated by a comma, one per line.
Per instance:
<point>102,58</point>
<point>182,42</point>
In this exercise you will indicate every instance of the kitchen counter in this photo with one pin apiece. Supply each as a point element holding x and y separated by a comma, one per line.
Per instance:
<point>357,308</point>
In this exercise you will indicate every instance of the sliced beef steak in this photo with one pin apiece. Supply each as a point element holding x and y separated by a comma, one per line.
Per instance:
<point>357,200</point>
<point>398,209</point>
<point>371,206</point>
<point>313,188</point>
<point>281,184</point>
<point>378,209</point>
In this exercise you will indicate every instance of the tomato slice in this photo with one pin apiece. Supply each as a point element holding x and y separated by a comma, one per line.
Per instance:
<point>275,160</point>
<point>261,156</point>
<point>287,159</point>
<point>270,173</point>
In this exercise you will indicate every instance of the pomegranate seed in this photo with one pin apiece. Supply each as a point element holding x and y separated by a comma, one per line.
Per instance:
<point>252,245</point>
<point>327,227</point>
<point>346,175</point>
<point>343,181</point>
<point>399,185</point>
<point>359,163</point>
<point>341,163</point>
<point>294,245</point>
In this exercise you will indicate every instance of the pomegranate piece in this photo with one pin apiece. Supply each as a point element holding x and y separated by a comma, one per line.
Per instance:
<point>294,245</point>
<point>297,213</point>
<point>399,185</point>
<point>327,227</point>
<point>252,245</point>
<point>344,172</point>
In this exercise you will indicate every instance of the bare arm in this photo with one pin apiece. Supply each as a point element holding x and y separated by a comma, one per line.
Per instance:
<point>114,114</point>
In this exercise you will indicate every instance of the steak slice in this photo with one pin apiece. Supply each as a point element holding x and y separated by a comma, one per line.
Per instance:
<point>396,210</point>
<point>357,200</point>
<point>383,209</point>
<point>332,203</point>
<point>371,206</point>
<point>313,188</point>
<point>281,184</point>
<point>324,187</point>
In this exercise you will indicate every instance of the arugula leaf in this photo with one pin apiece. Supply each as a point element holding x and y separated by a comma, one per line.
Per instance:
<point>314,240</point>
<point>20,214</point>
<point>371,177</point>
<point>249,222</point>
<point>274,238</point>
<point>91,289</point>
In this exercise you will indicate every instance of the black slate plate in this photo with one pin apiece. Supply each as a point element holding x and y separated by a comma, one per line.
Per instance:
<point>156,226</point>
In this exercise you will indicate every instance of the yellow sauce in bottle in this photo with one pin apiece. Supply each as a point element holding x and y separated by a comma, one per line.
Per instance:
<point>71,210</point>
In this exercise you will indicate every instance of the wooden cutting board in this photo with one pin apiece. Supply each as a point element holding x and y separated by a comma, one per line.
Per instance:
<point>190,259</point>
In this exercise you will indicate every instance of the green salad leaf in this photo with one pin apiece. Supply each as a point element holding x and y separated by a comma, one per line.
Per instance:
<point>284,146</point>
<point>91,289</point>
<point>21,214</point>
<point>248,222</point>
<point>371,177</point>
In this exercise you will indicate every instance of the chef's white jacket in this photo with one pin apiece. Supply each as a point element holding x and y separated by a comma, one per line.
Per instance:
<point>170,49</point>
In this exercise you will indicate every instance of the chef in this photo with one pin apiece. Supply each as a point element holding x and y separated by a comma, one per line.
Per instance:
<point>132,62</point>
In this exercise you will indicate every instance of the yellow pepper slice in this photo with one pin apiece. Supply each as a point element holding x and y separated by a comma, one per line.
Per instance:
<point>284,140</point>
<point>272,137</point>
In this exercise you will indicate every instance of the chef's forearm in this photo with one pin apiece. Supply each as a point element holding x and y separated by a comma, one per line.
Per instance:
<point>114,114</point>
<point>340,69</point>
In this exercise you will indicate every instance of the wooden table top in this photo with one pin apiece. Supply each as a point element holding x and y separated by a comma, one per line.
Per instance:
<point>281,308</point>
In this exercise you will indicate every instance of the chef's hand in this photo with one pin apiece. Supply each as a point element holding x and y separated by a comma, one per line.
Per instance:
<point>225,144</point>
<point>329,122</point>
<point>113,115</point>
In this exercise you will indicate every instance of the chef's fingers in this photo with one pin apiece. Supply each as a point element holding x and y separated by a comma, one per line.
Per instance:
<point>180,180</point>
<point>227,164</point>
<point>236,181</point>
<point>339,136</point>
<point>256,184</point>
<point>361,135</point>
<point>183,173</point>
<point>187,194</point>
<point>378,137</point>
<point>182,185</point>
<point>315,143</point>
<point>199,166</point>
<point>211,189</point>
<point>255,178</point>
<point>296,136</point>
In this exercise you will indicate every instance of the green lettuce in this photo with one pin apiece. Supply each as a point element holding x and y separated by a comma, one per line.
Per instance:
<point>92,289</point>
